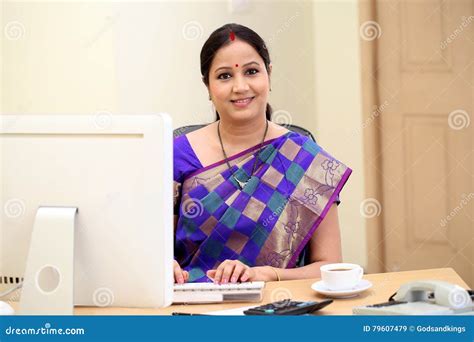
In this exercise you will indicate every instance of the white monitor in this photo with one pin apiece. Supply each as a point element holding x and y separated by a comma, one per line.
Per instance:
<point>117,171</point>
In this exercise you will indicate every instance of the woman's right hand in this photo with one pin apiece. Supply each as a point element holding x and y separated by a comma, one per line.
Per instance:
<point>180,276</point>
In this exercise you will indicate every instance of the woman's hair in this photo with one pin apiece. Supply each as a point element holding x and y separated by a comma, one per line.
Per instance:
<point>221,37</point>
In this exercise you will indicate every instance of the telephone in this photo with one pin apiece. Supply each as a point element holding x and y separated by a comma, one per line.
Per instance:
<point>425,297</point>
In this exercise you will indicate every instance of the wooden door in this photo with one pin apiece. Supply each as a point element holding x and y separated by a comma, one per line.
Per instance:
<point>425,83</point>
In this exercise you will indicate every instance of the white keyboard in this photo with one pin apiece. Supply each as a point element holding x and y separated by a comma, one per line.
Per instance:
<point>214,293</point>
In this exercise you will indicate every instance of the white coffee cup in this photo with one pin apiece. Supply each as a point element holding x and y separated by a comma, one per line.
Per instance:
<point>341,276</point>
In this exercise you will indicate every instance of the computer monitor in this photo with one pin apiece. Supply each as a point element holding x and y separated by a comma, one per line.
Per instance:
<point>116,171</point>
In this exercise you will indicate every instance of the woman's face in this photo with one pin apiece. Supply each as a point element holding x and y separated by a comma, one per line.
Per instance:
<point>239,82</point>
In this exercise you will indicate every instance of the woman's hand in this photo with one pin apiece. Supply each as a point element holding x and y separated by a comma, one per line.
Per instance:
<point>180,276</point>
<point>233,271</point>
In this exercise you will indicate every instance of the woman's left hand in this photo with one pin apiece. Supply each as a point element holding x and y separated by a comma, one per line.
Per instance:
<point>234,270</point>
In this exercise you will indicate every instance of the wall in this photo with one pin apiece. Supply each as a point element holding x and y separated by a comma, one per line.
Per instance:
<point>339,110</point>
<point>117,57</point>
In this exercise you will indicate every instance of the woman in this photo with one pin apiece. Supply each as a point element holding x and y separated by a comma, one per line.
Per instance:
<point>249,194</point>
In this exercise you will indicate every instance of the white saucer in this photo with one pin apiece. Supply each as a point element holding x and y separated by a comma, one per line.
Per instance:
<point>322,289</point>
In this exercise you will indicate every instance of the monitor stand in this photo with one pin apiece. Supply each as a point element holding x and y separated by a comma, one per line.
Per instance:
<point>49,276</point>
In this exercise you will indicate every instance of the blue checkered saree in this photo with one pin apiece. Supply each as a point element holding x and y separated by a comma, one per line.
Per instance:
<point>267,222</point>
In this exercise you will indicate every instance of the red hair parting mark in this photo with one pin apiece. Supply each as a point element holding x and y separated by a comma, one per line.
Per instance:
<point>232,36</point>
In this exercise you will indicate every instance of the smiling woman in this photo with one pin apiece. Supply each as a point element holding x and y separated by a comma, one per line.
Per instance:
<point>222,61</point>
<point>249,194</point>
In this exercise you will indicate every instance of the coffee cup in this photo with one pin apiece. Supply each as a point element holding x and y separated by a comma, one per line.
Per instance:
<point>341,276</point>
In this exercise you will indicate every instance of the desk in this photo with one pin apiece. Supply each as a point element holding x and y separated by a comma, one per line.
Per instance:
<point>384,285</point>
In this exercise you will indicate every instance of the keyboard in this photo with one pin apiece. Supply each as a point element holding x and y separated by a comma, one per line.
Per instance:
<point>216,293</point>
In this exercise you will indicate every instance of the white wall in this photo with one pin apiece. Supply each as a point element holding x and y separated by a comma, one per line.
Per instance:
<point>338,97</point>
<point>130,58</point>
<point>165,75</point>
<point>89,57</point>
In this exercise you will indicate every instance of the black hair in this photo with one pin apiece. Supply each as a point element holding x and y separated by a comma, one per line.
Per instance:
<point>224,35</point>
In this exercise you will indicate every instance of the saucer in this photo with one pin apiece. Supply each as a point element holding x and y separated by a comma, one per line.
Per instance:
<point>360,287</point>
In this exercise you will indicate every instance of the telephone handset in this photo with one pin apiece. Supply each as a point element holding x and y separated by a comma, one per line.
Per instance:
<point>424,297</point>
<point>435,292</point>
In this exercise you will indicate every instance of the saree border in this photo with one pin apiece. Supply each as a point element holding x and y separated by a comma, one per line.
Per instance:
<point>342,182</point>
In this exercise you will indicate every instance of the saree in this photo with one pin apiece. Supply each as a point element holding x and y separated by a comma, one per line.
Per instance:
<point>267,222</point>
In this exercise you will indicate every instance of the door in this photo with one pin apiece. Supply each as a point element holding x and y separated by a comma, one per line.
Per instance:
<point>425,85</point>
